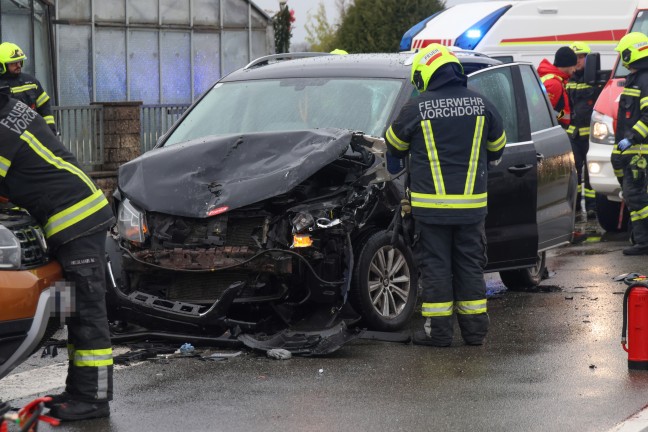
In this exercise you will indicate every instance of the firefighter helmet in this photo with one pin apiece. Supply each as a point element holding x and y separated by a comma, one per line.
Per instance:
<point>632,47</point>
<point>580,48</point>
<point>10,53</point>
<point>427,61</point>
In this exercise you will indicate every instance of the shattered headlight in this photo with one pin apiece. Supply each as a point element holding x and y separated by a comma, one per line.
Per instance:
<point>10,252</point>
<point>131,223</point>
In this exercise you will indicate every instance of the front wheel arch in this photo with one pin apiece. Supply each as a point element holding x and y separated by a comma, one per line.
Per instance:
<point>385,282</point>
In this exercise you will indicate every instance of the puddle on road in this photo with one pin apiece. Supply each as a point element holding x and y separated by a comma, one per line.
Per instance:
<point>594,251</point>
<point>545,289</point>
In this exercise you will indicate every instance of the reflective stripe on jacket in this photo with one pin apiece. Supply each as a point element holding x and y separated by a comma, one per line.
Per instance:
<point>29,91</point>
<point>582,98</point>
<point>40,175</point>
<point>449,134</point>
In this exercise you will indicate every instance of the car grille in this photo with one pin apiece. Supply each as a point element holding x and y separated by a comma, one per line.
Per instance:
<point>33,254</point>
<point>199,287</point>
<point>240,231</point>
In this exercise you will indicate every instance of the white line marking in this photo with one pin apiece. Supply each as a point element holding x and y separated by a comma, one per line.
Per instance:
<point>636,423</point>
<point>41,381</point>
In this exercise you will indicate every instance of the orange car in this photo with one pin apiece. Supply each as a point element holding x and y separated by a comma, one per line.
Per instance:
<point>30,297</point>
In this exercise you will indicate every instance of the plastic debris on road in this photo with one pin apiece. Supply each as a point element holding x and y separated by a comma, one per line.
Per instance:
<point>187,348</point>
<point>279,354</point>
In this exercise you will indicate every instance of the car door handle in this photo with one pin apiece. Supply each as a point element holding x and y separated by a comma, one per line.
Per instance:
<point>519,170</point>
<point>539,157</point>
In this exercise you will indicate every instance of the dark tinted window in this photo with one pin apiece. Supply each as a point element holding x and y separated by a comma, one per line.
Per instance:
<point>497,86</point>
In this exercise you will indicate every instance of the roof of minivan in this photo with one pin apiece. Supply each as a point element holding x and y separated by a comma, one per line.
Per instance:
<point>380,65</point>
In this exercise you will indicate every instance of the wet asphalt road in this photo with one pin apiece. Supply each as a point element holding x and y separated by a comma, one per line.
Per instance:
<point>552,362</point>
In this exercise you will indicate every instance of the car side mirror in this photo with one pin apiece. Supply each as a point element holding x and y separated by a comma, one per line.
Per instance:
<point>592,68</point>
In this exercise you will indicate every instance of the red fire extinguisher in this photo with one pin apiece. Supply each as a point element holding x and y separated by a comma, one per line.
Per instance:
<point>635,320</point>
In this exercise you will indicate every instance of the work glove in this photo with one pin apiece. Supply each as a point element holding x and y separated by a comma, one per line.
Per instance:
<point>624,144</point>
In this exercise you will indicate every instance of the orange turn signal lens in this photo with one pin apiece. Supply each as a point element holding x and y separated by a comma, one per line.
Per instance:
<point>302,240</point>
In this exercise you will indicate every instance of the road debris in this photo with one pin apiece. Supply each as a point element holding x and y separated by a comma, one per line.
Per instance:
<point>279,354</point>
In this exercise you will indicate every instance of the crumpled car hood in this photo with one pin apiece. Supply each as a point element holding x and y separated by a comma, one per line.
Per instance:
<point>206,175</point>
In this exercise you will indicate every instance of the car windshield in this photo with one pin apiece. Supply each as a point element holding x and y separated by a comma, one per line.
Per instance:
<point>640,25</point>
<point>290,104</point>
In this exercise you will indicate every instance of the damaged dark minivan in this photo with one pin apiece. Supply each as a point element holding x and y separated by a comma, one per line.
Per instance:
<point>266,209</point>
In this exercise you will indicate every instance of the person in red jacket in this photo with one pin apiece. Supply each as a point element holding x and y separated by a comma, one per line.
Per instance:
<point>554,77</point>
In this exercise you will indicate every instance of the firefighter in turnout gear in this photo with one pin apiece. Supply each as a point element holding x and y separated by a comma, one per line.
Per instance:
<point>450,134</point>
<point>40,175</point>
<point>24,87</point>
<point>554,77</point>
<point>582,97</point>
<point>630,155</point>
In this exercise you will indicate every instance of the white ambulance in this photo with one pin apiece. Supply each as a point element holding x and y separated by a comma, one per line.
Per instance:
<point>526,30</point>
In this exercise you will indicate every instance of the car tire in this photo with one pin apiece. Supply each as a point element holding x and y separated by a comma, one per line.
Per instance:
<point>385,283</point>
<point>607,213</point>
<point>526,278</point>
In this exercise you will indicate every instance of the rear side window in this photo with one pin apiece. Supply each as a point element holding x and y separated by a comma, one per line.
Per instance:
<point>539,113</point>
<point>497,86</point>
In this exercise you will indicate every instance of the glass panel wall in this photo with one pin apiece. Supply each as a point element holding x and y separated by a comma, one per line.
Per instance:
<point>27,24</point>
<point>154,51</point>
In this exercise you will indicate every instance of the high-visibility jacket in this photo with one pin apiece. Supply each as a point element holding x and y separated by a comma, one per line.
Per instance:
<point>554,81</point>
<point>582,97</point>
<point>450,133</point>
<point>632,123</point>
<point>40,175</point>
<point>29,90</point>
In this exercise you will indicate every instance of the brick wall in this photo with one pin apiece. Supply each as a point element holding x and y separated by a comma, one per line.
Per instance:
<point>122,124</point>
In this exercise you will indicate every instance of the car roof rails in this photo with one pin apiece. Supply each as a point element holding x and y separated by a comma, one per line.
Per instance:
<point>275,58</point>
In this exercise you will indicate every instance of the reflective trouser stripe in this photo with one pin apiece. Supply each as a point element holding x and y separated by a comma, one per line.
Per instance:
<point>583,131</point>
<point>571,129</point>
<point>395,141</point>
<point>639,214</point>
<point>433,157</point>
<point>49,119</point>
<point>618,173</point>
<point>590,193</point>
<point>436,309</point>
<point>579,188</point>
<point>102,382</point>
<point>471,307</point>
<point>469,187</point>
<point>93,358</point>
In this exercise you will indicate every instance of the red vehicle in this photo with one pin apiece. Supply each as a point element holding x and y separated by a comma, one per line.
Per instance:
<point>608,200</point>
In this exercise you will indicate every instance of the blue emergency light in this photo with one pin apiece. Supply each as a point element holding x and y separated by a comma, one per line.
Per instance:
<point>471,37</point>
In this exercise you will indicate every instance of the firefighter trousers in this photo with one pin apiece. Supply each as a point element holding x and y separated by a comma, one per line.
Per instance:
<point>635,194</point>
<point>451,259</point>
<point>90,368</point>
<point>580,147</point>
